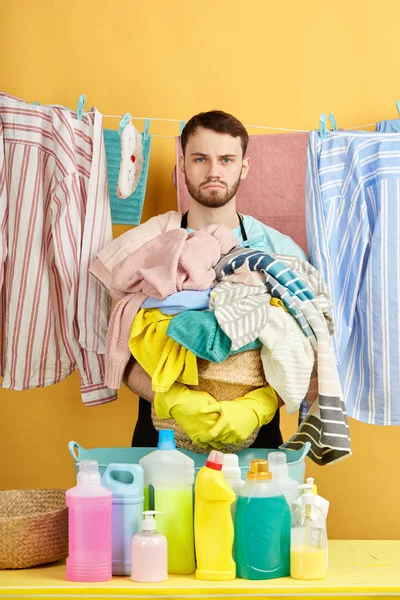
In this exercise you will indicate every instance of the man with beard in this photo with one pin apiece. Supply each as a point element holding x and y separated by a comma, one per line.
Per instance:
<point>214,162</point>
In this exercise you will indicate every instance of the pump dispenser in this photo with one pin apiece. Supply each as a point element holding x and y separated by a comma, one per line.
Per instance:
<point>321,502</point>
<point>149,522</point>
<point>149,552</point>
<point>309,546</point>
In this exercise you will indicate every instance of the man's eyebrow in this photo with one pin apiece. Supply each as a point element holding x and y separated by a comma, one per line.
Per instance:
<point>221,156</point>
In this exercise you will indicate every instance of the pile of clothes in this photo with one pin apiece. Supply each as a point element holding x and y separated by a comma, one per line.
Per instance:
<point>195,309</point>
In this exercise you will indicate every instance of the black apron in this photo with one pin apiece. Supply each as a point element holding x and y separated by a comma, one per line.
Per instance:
<point>146,435</point>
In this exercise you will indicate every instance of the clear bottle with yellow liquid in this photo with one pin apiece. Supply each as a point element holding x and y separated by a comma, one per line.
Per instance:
<point>309,544</point>
<point>168,489</point>
<point>213,525</point>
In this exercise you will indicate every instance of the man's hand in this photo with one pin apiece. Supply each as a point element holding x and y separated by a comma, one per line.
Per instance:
<point>239,418</point>
<point>137,380</point>
<point>184,405</point>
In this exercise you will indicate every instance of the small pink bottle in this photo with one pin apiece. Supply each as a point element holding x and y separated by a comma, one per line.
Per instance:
<point>149,559</point>
<point>89,527</point>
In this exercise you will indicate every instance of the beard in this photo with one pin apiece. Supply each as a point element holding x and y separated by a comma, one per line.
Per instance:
<point>212,198</point>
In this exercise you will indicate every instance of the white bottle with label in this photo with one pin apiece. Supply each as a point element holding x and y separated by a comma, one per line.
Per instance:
<point>277,464</point>
<point>232,473</point>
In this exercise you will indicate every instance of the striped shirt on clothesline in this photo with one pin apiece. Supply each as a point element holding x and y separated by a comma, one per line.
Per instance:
<point>54,217</point>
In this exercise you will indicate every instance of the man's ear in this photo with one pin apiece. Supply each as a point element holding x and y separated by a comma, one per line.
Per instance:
<point>245,168</point>
<point>182,164</point>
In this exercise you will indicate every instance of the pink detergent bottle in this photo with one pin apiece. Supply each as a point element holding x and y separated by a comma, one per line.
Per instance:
<point>89,527</point>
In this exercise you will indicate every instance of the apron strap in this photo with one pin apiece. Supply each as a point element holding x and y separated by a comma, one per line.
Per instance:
<point>184,220</point>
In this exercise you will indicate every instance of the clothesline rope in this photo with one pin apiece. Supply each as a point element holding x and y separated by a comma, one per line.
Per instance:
<point>252,126</point>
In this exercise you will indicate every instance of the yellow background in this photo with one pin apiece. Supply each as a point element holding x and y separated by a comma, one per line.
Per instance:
<point>272,63</point>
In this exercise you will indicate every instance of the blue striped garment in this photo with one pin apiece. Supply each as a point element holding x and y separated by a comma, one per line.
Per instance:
<point>325,424</point>
<point>353,229</point>
<point>281,281</point>
<point>389,126</point>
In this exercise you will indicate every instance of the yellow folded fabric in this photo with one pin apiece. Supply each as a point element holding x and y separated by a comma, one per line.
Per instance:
<point>239,418</point>
<point>160,356</point>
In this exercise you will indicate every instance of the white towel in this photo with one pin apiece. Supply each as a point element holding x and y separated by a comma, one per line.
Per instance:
<point>241,311</point>
<point>287,357</point>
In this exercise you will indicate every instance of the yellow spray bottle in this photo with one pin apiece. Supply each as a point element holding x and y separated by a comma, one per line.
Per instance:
<point>213,526</point>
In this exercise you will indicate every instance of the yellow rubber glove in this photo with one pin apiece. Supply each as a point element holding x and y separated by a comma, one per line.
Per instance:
<point>239,418</point>
<point>184,405</point>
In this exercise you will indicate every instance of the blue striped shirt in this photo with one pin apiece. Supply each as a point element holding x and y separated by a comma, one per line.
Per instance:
<point>353,230</point>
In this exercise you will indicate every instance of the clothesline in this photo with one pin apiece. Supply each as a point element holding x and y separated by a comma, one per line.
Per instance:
<point>246,125</point>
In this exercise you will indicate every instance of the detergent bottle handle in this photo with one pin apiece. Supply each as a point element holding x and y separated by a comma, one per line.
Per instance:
<point>134,487</point>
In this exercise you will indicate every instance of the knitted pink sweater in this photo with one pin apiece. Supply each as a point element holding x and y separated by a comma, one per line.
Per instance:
<point>171,262</point>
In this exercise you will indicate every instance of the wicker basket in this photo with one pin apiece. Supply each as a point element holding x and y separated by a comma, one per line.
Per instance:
<point>33,527</point>
<point>236,376</point>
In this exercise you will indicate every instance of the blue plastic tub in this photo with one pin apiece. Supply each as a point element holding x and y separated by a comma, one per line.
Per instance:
<point>105,456</point>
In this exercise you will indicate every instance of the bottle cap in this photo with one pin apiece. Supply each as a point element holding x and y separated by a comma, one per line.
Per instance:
<point>88,472</point>
<point>278,463</point>
<point>214,460</point>
<point>230,466</point>
<point>259,470</point>
<point>149,522</point>
<point>166,439</point>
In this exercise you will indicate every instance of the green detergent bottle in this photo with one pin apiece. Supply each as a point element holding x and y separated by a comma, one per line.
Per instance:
<point>262,527</point>
<point>168,483</point>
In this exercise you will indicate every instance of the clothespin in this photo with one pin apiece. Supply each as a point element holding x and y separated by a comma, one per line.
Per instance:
<point>146,128</point>
<point>123,122</point>
<point>333,122</point>
<point>322,126</point>
<point>36,103</point>
<point>181,126</point>
<point>398,107</point>
<point>80,107</point>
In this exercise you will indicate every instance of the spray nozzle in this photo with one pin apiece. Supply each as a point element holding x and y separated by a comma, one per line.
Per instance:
<point>149,522</point>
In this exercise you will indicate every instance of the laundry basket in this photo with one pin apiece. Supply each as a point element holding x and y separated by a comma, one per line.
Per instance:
<point>33,527</point>
<point>105,456</point>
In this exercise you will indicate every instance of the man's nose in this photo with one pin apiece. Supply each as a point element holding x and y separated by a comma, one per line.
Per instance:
<point>214,169</point>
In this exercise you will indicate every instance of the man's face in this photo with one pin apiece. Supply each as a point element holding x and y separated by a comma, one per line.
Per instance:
<point>213,166</point>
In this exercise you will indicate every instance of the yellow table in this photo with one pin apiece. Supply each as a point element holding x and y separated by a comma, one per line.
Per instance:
<point>362,569</point>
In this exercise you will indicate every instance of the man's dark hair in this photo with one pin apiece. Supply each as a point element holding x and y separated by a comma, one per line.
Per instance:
<point>218,121</point>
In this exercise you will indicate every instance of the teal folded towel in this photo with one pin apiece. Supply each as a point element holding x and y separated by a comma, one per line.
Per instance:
<point>199,332</point>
